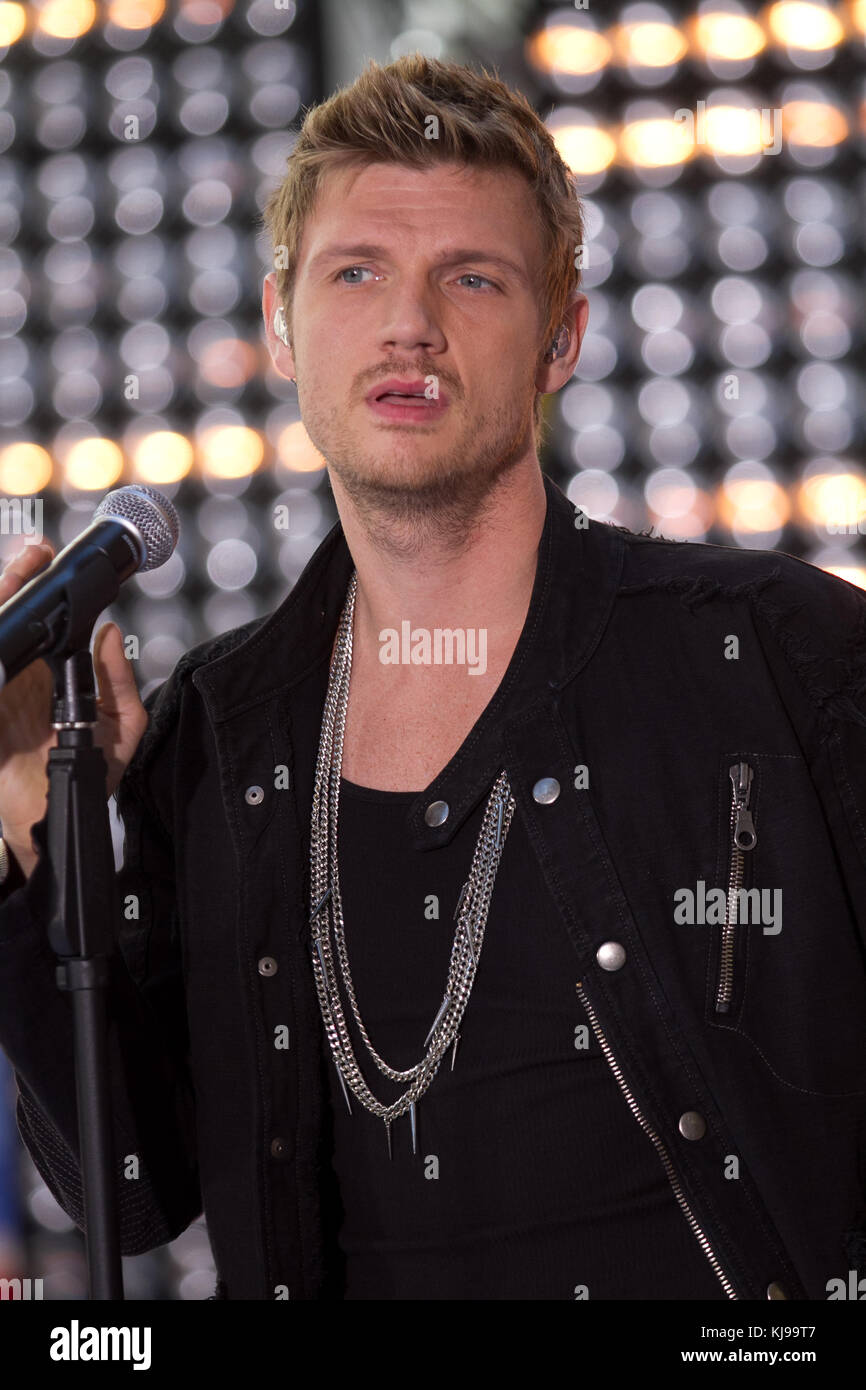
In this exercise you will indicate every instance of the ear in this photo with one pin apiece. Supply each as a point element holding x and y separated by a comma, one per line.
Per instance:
<point>281,356</point>
<point>552,375</point>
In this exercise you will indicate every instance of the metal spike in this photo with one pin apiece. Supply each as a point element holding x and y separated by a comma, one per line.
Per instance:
<point>443,1006</point>
<point>321,957</point>
<point>471,947</point>
<point>388,1129</point>
<point>414,1126</point>
<point>463,892</point>
<point>321,903</point>
<point>500,807</point>
<point>454,1050</point>
<point>345,1092</point>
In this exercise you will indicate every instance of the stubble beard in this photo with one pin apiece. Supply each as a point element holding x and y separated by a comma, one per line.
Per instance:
<point>405,510</point>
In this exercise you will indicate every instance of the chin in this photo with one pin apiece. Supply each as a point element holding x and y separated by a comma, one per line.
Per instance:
<point>406,460</point>
<point>401,474</point>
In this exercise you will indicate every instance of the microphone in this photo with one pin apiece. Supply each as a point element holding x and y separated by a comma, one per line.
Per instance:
<point>134,528</point>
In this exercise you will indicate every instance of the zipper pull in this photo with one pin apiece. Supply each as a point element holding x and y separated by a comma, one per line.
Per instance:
<point>745,836</point>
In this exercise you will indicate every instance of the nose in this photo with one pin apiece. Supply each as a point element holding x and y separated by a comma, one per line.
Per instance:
<point>409,318</point>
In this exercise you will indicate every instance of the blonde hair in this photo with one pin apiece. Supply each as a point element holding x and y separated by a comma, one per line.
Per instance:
<point>478,121</point>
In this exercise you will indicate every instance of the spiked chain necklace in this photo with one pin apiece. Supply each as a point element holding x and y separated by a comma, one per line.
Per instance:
<point>470,913</point>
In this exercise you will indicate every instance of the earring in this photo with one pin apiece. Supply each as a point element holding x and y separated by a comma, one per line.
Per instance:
<point>559,344</point>
<point>280,327</point>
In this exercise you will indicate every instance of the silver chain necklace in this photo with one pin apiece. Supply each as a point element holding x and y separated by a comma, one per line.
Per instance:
<point>470,913</point>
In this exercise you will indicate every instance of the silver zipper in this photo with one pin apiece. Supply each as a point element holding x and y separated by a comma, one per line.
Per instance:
<point>743,839</point>
<point>670,1171</point>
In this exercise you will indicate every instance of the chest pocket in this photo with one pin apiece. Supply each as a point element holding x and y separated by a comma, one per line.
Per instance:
<point>785,967</point>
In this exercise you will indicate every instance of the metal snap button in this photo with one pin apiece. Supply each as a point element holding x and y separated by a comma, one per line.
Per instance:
<point>545,790</point>
<point>279,1148</point>
<point>253,795</point>
<point>775,1290</point>
<point>436,813</point>
<point>692,1125</point>
<point>268,966</point>
<point>611,955</point>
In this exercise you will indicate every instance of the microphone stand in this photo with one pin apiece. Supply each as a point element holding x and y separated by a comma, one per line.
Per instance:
<point>83,909</point>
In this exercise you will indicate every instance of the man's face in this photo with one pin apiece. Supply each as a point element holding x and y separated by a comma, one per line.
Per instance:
<point>431,277</point>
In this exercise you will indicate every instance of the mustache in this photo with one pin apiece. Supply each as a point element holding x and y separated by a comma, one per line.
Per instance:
<point>411,369</point>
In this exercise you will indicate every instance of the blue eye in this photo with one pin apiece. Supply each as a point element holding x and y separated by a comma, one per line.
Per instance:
<point>352,267</point>
<point>473,275</point>
<point>361,269</point>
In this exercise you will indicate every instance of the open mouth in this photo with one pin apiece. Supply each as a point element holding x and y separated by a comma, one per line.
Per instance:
<point>406,402</point>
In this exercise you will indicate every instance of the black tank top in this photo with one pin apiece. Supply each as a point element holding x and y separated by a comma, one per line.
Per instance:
<point>532,1179</point>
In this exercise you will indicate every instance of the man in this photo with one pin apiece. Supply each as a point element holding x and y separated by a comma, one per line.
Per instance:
<point>538,975</point>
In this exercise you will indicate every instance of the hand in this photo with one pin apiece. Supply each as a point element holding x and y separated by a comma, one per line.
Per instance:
<point>26,735</point>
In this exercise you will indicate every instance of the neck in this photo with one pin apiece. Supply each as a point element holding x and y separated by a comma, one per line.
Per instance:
<point>477,577</point>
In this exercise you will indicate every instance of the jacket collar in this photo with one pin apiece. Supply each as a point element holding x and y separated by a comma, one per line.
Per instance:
<point>576,580</point>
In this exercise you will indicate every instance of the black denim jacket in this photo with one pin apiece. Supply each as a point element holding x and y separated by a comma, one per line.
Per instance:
<point>740,1049</point>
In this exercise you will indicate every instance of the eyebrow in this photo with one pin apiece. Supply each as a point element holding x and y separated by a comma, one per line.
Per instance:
<point>462,253</point>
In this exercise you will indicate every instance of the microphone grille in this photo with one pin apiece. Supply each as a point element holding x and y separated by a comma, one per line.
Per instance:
<point>152,515</point>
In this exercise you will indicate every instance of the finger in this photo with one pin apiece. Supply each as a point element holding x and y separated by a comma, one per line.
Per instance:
<point>114,674</point>
<point>23,565</point>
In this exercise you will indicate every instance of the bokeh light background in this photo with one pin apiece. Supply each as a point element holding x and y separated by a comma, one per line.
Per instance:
<point>720,393</point>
